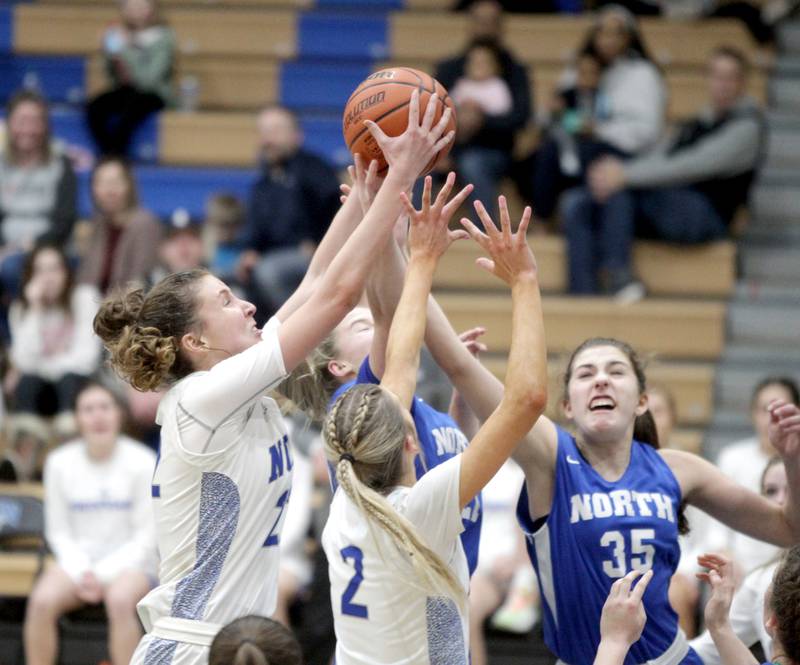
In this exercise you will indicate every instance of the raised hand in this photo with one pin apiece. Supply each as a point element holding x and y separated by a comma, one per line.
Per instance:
<point>784,428</point>
<point>471,340</point>
<point>429,233</point>
<point>410,152</point>
<point>722,579</point>
<point>511,256</point>
<point>366,183</point>
<point>623,617</point>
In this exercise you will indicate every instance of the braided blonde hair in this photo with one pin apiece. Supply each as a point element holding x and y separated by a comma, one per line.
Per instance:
<point>369,462</point>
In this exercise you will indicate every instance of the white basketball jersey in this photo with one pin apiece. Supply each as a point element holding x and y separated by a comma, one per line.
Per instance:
<point>220,493</point>
<point>380,614</point>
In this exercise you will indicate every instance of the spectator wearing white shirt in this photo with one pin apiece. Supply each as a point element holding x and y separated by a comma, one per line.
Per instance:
<point>99,524</point>
<point>53,346</point>
<point>745,461</point>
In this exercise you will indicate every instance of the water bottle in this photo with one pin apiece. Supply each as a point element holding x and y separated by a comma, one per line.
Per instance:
<point>189,93</point>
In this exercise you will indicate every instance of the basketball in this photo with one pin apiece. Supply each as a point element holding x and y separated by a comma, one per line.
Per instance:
<point>383,97</point>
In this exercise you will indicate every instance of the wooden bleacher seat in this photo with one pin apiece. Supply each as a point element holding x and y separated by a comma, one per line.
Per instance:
<point>54,28</point>
<point>674,329</point>
<point>704,270</point>
<point>228,139</point>
<point>21,544</point>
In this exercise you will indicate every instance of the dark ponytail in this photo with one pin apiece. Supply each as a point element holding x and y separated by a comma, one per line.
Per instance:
<point>255,640</point>
<point>645,431</point>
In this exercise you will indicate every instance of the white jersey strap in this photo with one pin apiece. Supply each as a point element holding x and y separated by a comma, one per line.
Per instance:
<point>674,654</point>
<point>200,633</point>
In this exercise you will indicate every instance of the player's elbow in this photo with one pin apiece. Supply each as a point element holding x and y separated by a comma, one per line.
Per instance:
<point>344,294</point>
<point>530,401</point>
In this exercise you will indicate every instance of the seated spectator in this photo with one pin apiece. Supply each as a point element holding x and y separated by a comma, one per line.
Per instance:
<point>747,609</point>
<point>289,209</point>
<point>139,54</point>
<point>254,640</point>
<point>99,524</point>
<point>53,346</point>
<point>38,188</point>
<point>501,559</point>
<point>744,461</point>
<point>629,108</point>
<point>482,84</point>
<point>27,439</point>
<point>686,191</point>
<point>181,247</point>
<point>781,618</point>
<point>223,223</point>
<point>124,235</point>
<point>486,139</point>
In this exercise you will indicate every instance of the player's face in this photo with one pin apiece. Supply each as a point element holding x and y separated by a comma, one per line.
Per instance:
<point>603,394</point>
<point>353,337</point>
<point>227,323</point>
<point>775,485</point>
<point>98,417</point>
<point>759,413</point>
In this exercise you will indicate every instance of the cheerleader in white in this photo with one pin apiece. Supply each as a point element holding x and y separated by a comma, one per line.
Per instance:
<point>398,572</point>
<point>222,484</point>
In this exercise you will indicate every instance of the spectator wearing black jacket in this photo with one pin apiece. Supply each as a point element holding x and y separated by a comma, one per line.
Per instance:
<point>288,211</point>
<point>485,142</point>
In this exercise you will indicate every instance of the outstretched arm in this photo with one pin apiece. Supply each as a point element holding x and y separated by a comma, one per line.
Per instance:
<point>623,618</point>
<point>705,486</point>
<point>525,395</point>
<point>346,276</point>
<point>429,238</point>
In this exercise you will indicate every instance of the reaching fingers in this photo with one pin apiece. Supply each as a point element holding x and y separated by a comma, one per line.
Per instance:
<point>641,586</point>
<point>455,203</point>
<point>410,211</point>
<point>442,142</point>
<point>627,581</point>
<point>488,224</point>
<point>457,234</point>
<point>426,196</point>
<point>372,174</point>
<point>522,229</point>
<point>345,189</point>
<point>377,132</point>
<point>351,171</point>
<point>479,236</point>
<point>472,334</point>
<point>505,218</point>
<point>444,192</point>
<point>443,122</point>
<point>485,264</point>
<point>359,167</point>
<point>430,112</point>
<point>413,110</point>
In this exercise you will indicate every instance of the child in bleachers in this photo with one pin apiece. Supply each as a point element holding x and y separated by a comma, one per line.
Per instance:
<point>53,346</point>
<point>482,83</point>
<point>781,610</point>
<point>181,247</point>
<point>99,524</point>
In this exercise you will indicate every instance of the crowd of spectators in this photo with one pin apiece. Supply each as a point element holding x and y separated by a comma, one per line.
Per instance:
<point>606,164</point>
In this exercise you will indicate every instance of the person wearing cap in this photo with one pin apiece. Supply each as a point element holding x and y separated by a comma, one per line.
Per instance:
<point>181,247</point>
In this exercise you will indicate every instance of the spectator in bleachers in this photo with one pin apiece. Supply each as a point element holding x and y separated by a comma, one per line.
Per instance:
<point>100,527</point>
<point>27,438</point>
<point>747,608</point>
<point>139,54</point>
<point>223,223</point>
<point>745,461</point>
<point>485,139</point>
<point>38,188</point>
<point>523,6</point>
<point>255,640</point>
<point>289,209</point>
<point>53,347</point>
<point>685,191</point>
<point>124,235</point>
<point>628,114</point>
<point>181,247</point>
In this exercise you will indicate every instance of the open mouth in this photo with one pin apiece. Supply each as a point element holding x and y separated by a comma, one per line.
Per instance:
<point>602,404</point>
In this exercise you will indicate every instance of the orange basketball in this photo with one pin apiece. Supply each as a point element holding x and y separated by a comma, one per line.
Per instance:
<point>383,97</point>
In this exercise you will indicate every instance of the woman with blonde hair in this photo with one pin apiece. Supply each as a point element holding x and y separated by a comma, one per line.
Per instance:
<point>392,542</point>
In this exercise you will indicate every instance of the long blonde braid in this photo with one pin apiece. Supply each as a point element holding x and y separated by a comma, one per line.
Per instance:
<point>368,463</point>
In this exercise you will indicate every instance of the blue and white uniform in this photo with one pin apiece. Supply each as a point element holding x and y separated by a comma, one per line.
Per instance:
<point>440,439</point>
<point>220,493</point>
<point>596,532</point>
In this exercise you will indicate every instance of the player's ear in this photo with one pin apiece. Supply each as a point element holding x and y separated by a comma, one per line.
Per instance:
<point>566,407</point>
<point>340,368</point>
<point>643,405</point>
<point>193,343</point>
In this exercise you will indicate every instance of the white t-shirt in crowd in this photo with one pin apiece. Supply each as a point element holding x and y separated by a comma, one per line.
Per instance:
<point>745,462</point>
<point>98,515</point>
<point>500,534</point>
<point>381,615</point>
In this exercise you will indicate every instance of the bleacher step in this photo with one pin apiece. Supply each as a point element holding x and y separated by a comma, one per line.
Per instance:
<point>789,37</point>
<point>763,324</point>
<point>776,202</point>
<point>773,265</point>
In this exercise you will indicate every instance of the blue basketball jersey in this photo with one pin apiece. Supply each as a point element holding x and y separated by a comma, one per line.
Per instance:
<point>440,439</point>
<point>597,531</point>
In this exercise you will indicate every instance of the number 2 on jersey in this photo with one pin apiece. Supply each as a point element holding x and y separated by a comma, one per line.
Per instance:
<point>641,553</point>
<point>272,537</point>
<point>348,606</point>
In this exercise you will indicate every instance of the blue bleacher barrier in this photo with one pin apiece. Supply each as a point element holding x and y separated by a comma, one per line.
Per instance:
<point>343,35</point>
<point>6,28</point>
<point>322,86</point>
<point>162,189</point>
<point>61,79</point>
<point>323,135</point>
<point>69,125</point>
